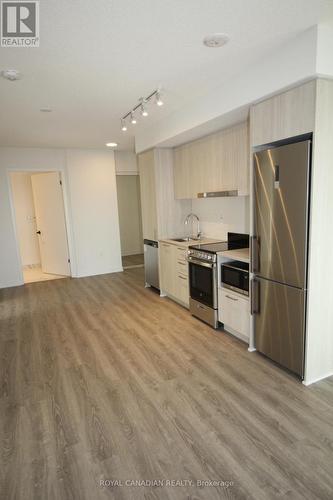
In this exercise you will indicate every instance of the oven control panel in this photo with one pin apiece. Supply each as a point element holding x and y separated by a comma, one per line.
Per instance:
<point>199,255</point>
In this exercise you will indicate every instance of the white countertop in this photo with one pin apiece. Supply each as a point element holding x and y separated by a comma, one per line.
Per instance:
<point>186,244</point>
<point>242,254</point>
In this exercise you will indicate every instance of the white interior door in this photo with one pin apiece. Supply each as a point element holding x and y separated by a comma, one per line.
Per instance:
<point>51,224</point>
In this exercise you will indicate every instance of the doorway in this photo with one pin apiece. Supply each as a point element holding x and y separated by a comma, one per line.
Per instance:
<point>40,225</point>
<point>130,222</point>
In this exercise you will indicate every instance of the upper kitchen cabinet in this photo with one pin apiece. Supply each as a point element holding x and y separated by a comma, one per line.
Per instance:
<point>162,215</point>
<point>218,162</point>
<point>288,114</point>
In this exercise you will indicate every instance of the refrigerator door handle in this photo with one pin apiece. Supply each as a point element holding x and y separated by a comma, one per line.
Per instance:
<point>255,301</point>
<point>254,254</point>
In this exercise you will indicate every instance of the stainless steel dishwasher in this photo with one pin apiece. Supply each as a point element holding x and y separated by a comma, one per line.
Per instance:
<point>151,263</point>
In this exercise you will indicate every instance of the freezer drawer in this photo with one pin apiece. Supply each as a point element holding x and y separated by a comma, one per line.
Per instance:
<point>280,323</point>
<point>151,263</point>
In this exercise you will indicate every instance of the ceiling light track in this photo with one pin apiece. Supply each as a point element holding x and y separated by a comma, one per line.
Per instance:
<point>142,106</point>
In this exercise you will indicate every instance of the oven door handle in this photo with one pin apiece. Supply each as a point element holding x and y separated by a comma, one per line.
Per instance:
<point>245,271</point>
<point>210,265</point>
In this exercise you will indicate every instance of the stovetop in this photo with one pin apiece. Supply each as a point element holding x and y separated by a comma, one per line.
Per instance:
<point>220,246</point>
<point>207,251</point>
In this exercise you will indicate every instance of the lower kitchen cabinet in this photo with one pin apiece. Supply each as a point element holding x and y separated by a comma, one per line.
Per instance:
<point>167,268</point>
<point>174,272</point>
<point>234,312</point>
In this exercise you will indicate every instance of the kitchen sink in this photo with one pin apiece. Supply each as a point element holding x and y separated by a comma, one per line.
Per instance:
<point>187,238</point>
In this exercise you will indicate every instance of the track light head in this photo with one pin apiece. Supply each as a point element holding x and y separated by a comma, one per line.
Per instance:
<point>159,101</point>
<point>144,112</point>
<point>133,119</point>
<point>123,125</point>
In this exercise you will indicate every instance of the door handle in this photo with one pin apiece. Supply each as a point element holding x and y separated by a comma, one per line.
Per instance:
<point>255,296</point>
<point>254,254</point>
<point>38,232</point>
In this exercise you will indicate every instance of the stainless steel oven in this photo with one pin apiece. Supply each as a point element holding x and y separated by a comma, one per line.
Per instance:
<point>203,290</point>
<point>202,260</point>
<point>203,275</point>
<point>203,281</point>
<point>235,276</point>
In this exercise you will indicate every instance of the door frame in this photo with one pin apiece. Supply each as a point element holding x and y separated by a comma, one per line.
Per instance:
<point>32,171</point>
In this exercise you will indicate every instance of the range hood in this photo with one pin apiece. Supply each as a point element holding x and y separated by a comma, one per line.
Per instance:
<point>218,194</point>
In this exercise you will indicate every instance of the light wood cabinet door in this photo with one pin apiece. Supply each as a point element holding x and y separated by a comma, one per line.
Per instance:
<point>146,163</point>
<point>174,272</point>
<point>167,268</point>
<point>218,162</point>
<point>230,159</point>
<point>182,289</point>
<point>183,172</point>
<point>234,312</point>
<point>285,115</point>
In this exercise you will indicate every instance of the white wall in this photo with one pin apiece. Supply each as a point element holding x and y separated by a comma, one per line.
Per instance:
<point>129,207</point>
<point>12,159</point>
<point>94,209</point>
<point>220,215</point>
<point>25,218</point>
<point>126,163</point>
<point>319,338</point>
<point>90,204</point>
<point>325,50</point>
<point>293,62</point>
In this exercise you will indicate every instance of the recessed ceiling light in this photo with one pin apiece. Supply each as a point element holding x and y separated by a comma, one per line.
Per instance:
<point>46,110</point>
<point>215,40</point>
<point>111,144</point>
<point>11,74</point>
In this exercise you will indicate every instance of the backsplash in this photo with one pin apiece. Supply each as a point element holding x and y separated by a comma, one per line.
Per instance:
<point>220,215</point>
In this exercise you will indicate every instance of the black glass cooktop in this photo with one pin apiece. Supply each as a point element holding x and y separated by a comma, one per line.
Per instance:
<point>221,246</point>
<point>235,240</point>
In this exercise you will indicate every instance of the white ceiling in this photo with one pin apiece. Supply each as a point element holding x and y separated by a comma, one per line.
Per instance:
<point>97,58</point>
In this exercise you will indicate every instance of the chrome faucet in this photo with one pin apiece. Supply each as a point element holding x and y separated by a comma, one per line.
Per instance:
<point>190,218</point>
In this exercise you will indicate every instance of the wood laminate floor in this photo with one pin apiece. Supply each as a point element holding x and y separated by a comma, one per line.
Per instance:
<point>101,379</point>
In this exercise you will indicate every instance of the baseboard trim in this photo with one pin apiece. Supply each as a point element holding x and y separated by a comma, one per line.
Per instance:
<point>129,254</point>
<point>111,271</point>
<point>315,380</point>
<point>11,284</point>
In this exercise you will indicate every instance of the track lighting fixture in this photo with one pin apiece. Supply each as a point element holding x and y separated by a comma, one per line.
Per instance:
<point>142,106</point>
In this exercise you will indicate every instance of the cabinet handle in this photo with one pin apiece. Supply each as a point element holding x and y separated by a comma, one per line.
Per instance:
<point>231,298</point>
<point>182,277</point>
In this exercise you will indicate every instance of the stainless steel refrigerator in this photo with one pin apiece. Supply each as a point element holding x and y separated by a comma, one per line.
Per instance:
<point>279,249</point>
